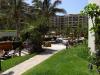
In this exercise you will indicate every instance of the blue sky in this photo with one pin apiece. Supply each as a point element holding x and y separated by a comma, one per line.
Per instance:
<point>71,6</point>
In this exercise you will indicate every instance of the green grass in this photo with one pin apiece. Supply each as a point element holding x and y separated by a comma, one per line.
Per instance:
<point>6,64</point>
<point>73,61</point>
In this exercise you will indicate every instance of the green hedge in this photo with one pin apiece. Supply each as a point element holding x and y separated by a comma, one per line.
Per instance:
<point>6,64</point>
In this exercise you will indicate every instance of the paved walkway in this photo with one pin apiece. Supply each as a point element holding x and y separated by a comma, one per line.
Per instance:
<point>26,65</point>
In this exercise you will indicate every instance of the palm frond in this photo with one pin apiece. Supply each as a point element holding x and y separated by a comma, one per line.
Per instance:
<point>37,3</point>
<point>56,3</point>
<point>59,10</point>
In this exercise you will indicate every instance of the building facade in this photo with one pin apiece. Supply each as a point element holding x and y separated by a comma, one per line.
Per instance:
<point>70,20</point>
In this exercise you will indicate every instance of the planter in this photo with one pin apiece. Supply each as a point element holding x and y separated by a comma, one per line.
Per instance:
<point>47,44</point>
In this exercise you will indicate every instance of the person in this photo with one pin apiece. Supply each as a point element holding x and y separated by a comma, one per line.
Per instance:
<point>67,44</point>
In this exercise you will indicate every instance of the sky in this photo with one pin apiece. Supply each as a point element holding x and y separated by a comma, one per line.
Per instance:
<point>71,6</point>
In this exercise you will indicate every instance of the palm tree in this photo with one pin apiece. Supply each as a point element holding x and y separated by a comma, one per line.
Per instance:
<point>46,8</point>
<point>16,13</point>
<point>3,11</point>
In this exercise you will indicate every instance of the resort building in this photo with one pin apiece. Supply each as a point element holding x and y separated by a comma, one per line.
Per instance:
<point>69,20</point>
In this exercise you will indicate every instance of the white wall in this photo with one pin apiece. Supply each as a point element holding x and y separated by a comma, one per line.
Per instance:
<point>91,37</point>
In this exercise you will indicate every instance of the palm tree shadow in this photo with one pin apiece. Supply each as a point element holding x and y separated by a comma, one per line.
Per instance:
<point>10,73</point>
<point>48,51</point>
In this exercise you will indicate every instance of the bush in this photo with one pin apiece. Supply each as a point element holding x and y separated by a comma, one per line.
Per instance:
<point>25,36</point>
<point>36,40</point>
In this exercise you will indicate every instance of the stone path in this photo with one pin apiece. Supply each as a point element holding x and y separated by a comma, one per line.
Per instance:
<point>26,65</point>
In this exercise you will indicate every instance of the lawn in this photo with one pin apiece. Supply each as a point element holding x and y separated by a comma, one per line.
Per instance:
<point>6,64</point>
<point>73,61</point>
